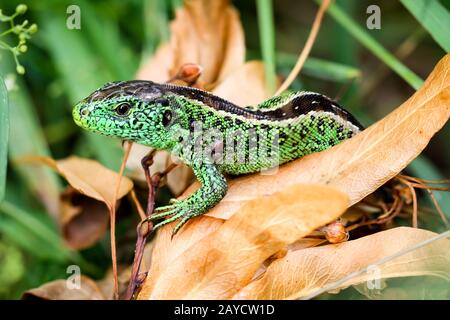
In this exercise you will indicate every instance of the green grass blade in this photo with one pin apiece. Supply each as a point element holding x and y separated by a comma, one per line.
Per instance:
<point>29,242</point>
<point>330,70</point>
<point>67,47</point>
<point>4,136</point>
<point>107,43</point>
<point>41,227</point>
<point>267,40</point>
<point>156,25</point>
<point>175,4</point>
<point>322,69</point>
<point>374,46</point>
<point>34,224</point>
<point>348,46</point>
<point>26,138</point>
<point>434,17</point>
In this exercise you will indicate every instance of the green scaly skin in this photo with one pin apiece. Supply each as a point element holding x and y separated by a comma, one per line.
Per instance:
<point>231,139</point>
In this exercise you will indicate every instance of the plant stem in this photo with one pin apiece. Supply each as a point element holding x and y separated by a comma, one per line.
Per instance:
<point>267,40</point>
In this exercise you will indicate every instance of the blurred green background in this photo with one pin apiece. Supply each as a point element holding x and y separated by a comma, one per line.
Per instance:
<point>369,71</point>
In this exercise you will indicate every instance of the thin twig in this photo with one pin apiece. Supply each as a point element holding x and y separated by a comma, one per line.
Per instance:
<point>414,199</point>
<point>113,221</point>
<point>138,205</point>
<point>307,48</point>
<point>145,227</point>
<point>394,210</point>
<point>420,183</point>
<point>438,208</point>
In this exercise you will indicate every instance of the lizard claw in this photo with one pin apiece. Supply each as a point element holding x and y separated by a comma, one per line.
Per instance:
<point>174,201</point>
<point>160,215</point>
<point>178,212</point>
<point>169,207</point>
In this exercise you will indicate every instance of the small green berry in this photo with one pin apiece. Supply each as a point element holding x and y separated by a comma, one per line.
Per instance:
<point>21,9</point>
<point>17,29</point>
<point>23,48</point>
<point>33,28</point>
<point>22,37</point>
<point>20,69</point>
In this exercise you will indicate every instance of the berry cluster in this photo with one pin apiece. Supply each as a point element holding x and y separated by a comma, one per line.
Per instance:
<point>23,32</point>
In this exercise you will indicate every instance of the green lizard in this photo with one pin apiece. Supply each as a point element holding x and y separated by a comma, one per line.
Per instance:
<point>211,135</point>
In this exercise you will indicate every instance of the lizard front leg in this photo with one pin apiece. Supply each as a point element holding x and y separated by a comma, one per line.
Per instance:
<point>213,189</point>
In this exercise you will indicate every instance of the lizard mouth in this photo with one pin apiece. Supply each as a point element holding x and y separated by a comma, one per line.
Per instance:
<point>79,114</point>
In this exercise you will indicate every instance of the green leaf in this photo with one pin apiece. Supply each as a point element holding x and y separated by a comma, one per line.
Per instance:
<point>4,136</point>
<point>374,46</point>
<point>434,17</point>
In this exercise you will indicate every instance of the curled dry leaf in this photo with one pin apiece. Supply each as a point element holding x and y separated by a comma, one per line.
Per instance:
<point>168,250</point>
<point>215,42</point>
<point>66,289</point>
<point>88,177</point>
<point>225,260</point>
<point>83,220</point>
<point>60,290</point>
<point>303,272</point>
<point>363,163</point>
<point>83,216</point>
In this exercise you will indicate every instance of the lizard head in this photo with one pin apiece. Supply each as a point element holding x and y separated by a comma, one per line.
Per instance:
<point>139,111</point>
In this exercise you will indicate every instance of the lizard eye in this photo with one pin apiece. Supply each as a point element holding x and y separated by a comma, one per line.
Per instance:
<point>122,109</point>
<point>167,116</point>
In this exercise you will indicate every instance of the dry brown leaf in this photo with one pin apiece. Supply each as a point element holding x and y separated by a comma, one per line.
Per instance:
<point>158,67</point>
<point>167,251</point>
<point>59,290</point>
<point>83,215</point>
<point>303,272</point>
<point>245,86</point>
<point>363,163</point>
<point>306,243</point>
<point>215,41</point>
<point>88,177</point>
<point>226,260</point>
<point>88,290</point>
<point>83,220</point>
<point>106,285</point>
